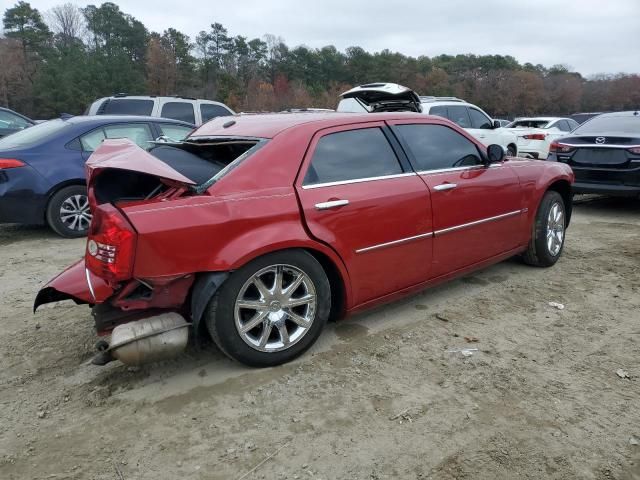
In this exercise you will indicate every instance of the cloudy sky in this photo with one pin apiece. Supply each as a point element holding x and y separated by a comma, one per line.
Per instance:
<point>591,36</point>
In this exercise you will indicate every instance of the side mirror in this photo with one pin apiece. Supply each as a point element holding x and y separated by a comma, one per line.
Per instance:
<point>495,153</point>
<point>496,124</point>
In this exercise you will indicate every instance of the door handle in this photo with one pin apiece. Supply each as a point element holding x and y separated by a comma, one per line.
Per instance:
<point>445,186</point>
<point>331,204</point>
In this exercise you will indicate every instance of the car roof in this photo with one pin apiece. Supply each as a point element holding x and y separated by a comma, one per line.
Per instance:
<point>157,97</point>
<point>98,119</point>
<point>271,124</point>
<point>629,113</point>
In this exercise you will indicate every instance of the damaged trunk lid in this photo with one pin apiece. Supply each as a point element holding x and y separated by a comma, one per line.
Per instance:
<point>380,97</point>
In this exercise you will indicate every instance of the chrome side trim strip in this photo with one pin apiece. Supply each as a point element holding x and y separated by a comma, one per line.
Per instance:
<point>477,222</point>
<point>395,242</point>
<point>86,273</point>
<point>357,180</point>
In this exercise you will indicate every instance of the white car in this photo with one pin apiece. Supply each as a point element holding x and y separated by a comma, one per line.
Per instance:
<point>535,134</point>
<point>389,97</point>
<point>190,110</point>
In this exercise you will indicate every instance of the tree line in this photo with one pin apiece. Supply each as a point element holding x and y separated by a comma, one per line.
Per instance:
<point>63,59</point>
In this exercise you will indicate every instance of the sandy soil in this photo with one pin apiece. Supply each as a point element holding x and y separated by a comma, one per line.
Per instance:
<point>379,397</point>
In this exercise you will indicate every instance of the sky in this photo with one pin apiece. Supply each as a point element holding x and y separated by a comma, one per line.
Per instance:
<point>590,36</point>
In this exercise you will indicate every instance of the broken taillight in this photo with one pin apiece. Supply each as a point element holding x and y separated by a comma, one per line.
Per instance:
<point>110,245</point>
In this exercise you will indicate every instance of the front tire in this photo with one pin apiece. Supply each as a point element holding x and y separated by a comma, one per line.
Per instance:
<point>271,310</point>
<point>547,239</point>
<point>68,212</point>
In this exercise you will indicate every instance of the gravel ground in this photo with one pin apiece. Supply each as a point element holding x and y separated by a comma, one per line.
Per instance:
<point>379,397</point>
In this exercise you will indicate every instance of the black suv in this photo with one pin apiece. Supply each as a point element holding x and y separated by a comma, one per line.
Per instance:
<point>604,153</point>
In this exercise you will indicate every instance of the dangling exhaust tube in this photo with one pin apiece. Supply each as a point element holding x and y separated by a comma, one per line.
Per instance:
<point>148,340</point>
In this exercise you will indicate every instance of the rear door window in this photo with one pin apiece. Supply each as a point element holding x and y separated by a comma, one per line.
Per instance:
<point>479,119</point>
<point>439,110</point>
<point>458,114</point>
<point>178,111</point>
<point>209,111</point>
<point>139,133</point>
<point>436,147</point>
<point>126,106</point>
<point>352,155</point>
<point>175,132</point>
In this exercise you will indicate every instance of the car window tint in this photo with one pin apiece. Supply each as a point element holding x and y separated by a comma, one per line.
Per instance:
<point>209,111</point>
<point>92,140</point>
<point>439,110</point>
<point>436,147</point>
<point>178,111</point>
<point>34,135</point>
<point>352,155</point>
<point>564,126</point>
<point>573,124</point>
<point>174,132</point>
<point>139,133</point>
<point>458,114</point>
<point>479,119</point>
<point>10,120</point>
<point>118,106</point>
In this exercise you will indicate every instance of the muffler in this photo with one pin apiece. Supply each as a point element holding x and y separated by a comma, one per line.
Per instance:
<point>148,340</point>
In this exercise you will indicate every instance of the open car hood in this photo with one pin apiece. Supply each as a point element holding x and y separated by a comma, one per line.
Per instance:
<point>380,97</point>
<point>123,154</point>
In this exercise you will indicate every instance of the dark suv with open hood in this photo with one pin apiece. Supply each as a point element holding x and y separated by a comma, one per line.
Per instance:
<point>604,153</point>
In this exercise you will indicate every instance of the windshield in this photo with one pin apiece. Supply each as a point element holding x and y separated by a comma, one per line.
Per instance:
<point>529,124</point>
<point>33,135</point>
<point>605,124</point>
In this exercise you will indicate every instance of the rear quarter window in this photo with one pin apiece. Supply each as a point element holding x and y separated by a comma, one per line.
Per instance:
<point>209,111</point>
<point>352,155</point>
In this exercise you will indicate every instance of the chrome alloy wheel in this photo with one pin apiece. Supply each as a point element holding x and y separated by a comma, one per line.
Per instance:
<point>275,308</point>
<point>75,214</point>
<point>555,229</point>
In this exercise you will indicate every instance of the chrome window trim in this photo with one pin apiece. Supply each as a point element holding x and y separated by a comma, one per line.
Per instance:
<point>460,169</point>
<point>86,273</point>
<point>357,180</point>
<point>478,222</point>
<point>394,242</point>
<point>597,145</point>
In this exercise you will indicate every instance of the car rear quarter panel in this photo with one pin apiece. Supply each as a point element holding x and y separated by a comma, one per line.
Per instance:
<point>248,213</point>
<point>536,177</point>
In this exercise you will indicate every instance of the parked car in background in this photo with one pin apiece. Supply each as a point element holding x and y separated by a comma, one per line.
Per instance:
<point>390,97</point>
<point>503,123</point>
<point>604,153</point>
<point>262,228</point>
<point>190,110</point>
<point>42,173</point>
<point>535,134</point>
<point>583,117</point>
<point>12,122</point>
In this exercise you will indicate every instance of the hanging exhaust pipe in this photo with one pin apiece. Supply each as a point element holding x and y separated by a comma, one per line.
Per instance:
<point>148,340</point>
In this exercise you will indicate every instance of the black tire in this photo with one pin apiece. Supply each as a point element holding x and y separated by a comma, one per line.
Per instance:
<point>220,317</point>
<point>538,252</point>
<point>54,215</point>
<point>511,151</point>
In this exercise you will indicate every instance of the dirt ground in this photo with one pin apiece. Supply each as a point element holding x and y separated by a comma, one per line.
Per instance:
<point>379,397</point>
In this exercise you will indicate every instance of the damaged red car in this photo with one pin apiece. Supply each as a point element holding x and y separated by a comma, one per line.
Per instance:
<point>258,229</point>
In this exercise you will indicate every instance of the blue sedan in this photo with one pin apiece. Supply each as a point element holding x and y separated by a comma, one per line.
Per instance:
<point>42,177</point>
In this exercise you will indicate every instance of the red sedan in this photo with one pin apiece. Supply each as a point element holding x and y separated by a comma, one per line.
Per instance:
<point>261,228</point>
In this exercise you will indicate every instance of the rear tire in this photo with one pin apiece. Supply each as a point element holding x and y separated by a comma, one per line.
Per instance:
<point>547,239</point>
<point>68,212</point>
<point>261,321</point>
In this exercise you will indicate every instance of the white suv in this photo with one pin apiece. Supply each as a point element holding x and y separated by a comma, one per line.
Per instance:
<point>191,110</point>
<point>389,97</point>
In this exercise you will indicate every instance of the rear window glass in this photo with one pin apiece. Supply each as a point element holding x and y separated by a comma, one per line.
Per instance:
<point>123,106</point>
<point>35,134</point>
<point>209,111</point>
<point>529,124</point>
<point>178,111</point>
<point>605,124</point>
<point>352,155</point>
